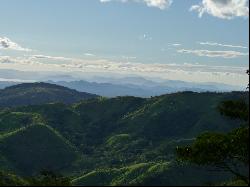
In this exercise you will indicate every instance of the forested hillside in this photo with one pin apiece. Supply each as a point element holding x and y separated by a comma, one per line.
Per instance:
<point>118,141</point>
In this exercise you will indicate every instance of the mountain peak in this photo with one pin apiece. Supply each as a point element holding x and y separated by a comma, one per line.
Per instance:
<point>40,93</point>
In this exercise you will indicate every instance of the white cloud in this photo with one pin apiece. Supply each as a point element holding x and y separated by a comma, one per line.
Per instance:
<point>207,53</point>
<point>5,59</point>
<point>6,43</point>
<point>176,45</point>
<point>222,45</point>
<point>145,37</point>
<point>50,57</point>
<point>89,54</point>
<point>225,9</point>
<point>161,4</point>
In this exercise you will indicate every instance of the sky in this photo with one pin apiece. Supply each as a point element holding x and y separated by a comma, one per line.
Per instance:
<point>189,40</point>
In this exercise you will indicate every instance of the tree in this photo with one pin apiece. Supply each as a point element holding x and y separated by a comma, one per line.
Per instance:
<point>235,110</point>
<point>228,152</point>
<point>7,179</point>
<point>49,178</point>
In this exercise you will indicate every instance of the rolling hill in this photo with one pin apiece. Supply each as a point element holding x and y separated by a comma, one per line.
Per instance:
<point>140,87</point>
<point>116,141</point>
<point>39,93</point>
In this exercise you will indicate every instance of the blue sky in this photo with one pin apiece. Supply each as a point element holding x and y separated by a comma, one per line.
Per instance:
<point>134,37</point>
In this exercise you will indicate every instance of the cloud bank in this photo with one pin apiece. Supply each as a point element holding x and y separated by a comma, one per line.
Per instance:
<point>188,72</point>
<point>207,53</point>
<point>222,45</point>
<point>161,4</point>
<point>225,9</point>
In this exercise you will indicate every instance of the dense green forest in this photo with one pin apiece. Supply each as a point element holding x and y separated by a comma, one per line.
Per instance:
<point>117,141</point>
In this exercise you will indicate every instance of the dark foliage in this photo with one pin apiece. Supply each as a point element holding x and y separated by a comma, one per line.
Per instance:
<point>229,152</point>
<point>49,178</point>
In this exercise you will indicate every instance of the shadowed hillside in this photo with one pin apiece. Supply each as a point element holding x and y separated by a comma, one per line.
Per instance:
<point>39,147</point>
<point>40,93</point>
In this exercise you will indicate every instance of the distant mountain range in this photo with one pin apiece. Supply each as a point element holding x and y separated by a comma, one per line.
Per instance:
<point>128,87</point>
<point>39,93</point>
<point>133,86</point>
<point>112,86</point>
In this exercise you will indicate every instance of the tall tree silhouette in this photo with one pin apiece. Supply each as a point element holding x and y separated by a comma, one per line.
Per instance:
<point>228,152</point>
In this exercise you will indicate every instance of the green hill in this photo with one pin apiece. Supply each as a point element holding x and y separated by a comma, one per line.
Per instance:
<point>39,93</point>
<point>183,115</point>
<point>11,121</point>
